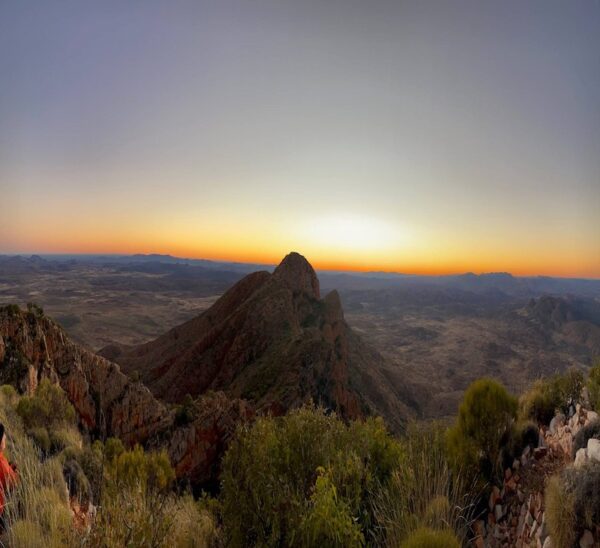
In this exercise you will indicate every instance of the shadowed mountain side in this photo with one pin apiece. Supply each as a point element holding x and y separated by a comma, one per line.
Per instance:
<point>271,340</point>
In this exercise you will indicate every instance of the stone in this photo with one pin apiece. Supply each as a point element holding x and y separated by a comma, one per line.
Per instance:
<point>592,416</point>
<point>586,540</point>
<point>578,408</point>
<point>498,512</point>
<point>494,497</point>
<point>516,464</point>
<point>556,422</point>
<point>548,543</point>
<point>507,474</point>
<point>593,449</point>
<point>580,457</point>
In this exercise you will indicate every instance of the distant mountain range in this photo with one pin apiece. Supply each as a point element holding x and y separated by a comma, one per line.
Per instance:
<point>503,282</point>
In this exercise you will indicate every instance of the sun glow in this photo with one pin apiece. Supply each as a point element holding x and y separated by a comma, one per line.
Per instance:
<point>352,232</point>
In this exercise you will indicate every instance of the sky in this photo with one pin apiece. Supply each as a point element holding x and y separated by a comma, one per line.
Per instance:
<point>418,137</point>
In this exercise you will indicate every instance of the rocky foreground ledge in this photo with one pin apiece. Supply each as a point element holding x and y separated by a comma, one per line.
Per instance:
<point>517,513</point>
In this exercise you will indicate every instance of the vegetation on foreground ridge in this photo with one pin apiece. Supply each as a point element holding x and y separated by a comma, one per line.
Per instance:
<point>304,479</point>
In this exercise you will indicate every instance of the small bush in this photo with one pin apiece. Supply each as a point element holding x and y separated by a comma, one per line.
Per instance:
<point>193,526</point>
<point>550,395</point>
<point>593,385</point>
<point>424,491</point>
<point>524,433</point>
<point>560,513</point>
<point>41,438</point>
<point>540,402</point>
<point>573,503</point>
<point>47,408</point>
<point>77,482</point>
<point>590,430</point>
<point>484,424</point>
<point>64,438</point>
<point>430,538</point>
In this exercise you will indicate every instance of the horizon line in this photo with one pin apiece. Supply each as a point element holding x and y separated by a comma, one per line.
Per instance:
<point>317,268</point>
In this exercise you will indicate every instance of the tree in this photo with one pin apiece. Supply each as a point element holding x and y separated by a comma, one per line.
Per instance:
<point>484,423</point>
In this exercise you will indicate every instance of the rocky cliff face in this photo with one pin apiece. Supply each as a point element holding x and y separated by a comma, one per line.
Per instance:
<point>108,403</point>
<point>273,341</point>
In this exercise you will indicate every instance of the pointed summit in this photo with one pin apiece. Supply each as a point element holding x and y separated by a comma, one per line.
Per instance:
<point>297,273</point>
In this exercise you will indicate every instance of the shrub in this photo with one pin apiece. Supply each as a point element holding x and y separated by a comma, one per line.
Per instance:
<point>41,438</point>
<point>573,503</point>
<point>593,385</point>
<point>270,472</point>
<point>549,395</point>
<point>560,513</point>
<point>485,419</point>
<point>193,525</point>
<point>425,492</point>
<point>430,538</point>
<point>329,521</point>
<point>590,430</point>
<point>47,408</point>
<point>77,482</point>
<point>524,433</point>
<point>540,402</point>
<point>185,412</point>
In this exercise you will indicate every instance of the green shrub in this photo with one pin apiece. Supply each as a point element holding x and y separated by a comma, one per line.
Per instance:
<point>573,503</point>
<point>269,480</point>
<point>63,438</point>
<point>329,520</point>
<point>185,412</point>
<point>193,525</point>
<point>430,538</point>
<point>41,438</point>
<point>593,385</point>
<point>541,402</point>
<point>560,513</point>
<point>47,408</point>
<point>548,396</point>
<point>590,430</point>
<point>523,433</point>
<point>425,491</point>
<point>484,424</point>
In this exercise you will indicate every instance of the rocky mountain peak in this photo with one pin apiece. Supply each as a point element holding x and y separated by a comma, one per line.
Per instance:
<point>297,273</point>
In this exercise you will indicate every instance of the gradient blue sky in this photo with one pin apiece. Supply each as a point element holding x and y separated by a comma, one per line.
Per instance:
<point>413,136</point>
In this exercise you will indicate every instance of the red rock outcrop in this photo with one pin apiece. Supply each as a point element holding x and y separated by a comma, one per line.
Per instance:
<point>272,341</point>
<point>108,403</point>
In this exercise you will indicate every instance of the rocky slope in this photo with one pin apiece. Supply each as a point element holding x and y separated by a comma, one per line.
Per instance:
<point>517,509</point>
<point>108,403</point>
<point>271,340</point>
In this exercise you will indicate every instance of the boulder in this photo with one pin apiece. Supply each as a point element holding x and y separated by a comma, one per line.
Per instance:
<point>580,457</point>
<point>593,449</point>
<point>591,416</point>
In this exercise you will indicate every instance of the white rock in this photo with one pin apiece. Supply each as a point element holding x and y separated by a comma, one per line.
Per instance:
<point>592,416</point>
<point>580,457</point>
<point>548,543</point>
<point>586,540</point>
<point>593,449</point>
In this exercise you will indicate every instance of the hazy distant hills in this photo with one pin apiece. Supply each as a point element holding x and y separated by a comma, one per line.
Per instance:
<point>228,272</point>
